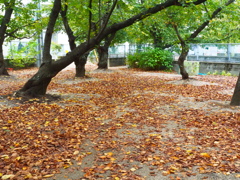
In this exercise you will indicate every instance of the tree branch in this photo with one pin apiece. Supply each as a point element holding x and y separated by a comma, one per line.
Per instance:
<point>205,7</point>
<point>89,20</point>
<point>71,37</point>
<point>10,34</point>
<point>47,58</point>
<point>105,21</point>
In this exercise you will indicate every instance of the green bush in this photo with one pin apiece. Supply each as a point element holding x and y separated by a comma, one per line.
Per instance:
<point>151,59</point>
<point>21,62</point>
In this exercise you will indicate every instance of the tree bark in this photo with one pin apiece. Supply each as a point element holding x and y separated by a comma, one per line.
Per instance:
<point>102,57</point>
<point>183,55</point>
<point>181,59</point>
<point>3,70</point>
<point>47,57</point>
<point>235,101</point>
<point>103,52</point>
<point>5,20</point>
<point>80,65</point>
<point>81,61</point>
<point>37,85</point>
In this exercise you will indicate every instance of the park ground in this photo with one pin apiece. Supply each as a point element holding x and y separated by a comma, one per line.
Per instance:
<point>120,124</point>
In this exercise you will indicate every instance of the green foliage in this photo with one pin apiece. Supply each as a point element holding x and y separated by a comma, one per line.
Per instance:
<point>223,73</point>
<point>151,59</point>
<point>24,56</point>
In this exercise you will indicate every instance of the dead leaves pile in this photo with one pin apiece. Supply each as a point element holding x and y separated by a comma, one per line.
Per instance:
<point>132,123</point>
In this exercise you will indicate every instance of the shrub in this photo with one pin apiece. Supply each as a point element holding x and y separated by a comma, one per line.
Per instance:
<point>151,59</point>
<point>21,62</point>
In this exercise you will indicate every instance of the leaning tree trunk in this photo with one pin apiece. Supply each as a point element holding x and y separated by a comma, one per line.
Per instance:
<point>235,101</point>
<point>80,65</point>
<point>37,85</point>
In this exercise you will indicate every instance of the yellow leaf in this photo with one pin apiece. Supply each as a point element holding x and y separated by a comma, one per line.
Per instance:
<point>28,176</point>
<point>5,156</point>
<point>132,169</point>
<point>1,174</point>
<point>65,166</point>
<point>48,175</point>
<point>190,137</point>
<point>4,127</point>
<point>7,176</point>
<point>112,159</point>
<point>76,152</point>
<point>109,154</point>
<point>205,155</point>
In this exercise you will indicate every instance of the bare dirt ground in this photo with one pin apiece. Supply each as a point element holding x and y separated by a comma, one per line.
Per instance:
<point>159,128</point>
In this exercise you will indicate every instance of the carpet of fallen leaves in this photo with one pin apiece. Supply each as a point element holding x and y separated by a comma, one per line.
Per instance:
<point>120,124</point>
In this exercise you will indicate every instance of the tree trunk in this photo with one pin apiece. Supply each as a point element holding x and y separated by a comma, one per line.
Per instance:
<point>3,70</point>
<point>181,60</point>
<point>103,52</point>
<point>37,85</point>
<point>102,57</point>
<point>80,65</point>
<point>183,55</point>
<point>47,57</point>
<point>235,101</point>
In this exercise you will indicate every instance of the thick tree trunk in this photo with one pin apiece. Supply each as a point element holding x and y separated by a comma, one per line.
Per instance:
<point>37,85</point>
<point>103,52</point>
<point>102,57</point>
<point>80,65</point>
<point>235,101</point>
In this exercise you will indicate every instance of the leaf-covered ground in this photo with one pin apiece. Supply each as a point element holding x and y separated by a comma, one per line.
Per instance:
<point>121,124</point>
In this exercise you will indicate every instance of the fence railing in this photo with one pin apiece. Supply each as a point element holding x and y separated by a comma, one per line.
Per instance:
<point>207,52</point>
<point>215,52</point>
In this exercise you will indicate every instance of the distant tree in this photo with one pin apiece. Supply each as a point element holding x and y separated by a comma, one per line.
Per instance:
<point>8,6</point>
<point>18,22</point>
